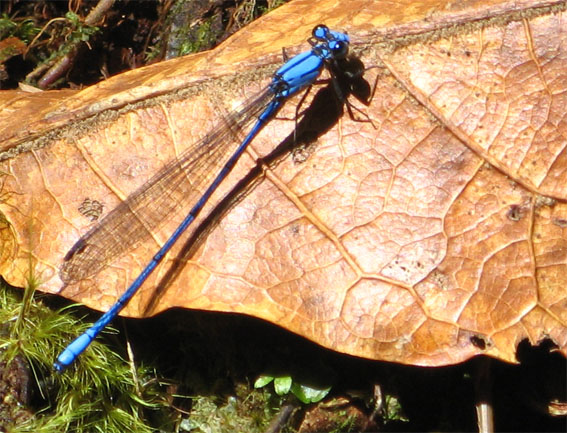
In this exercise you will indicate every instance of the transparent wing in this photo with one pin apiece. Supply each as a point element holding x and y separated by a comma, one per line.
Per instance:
<point>177,184</point>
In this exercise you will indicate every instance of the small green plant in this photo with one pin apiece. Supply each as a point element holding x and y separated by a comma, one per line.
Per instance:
<point>80,31</point>
<point>392,410</point>
<point>76,31</point>
<point>284,384</point>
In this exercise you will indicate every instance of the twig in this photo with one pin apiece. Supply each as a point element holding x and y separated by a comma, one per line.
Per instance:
<point>65,62</point>
<point>281,419</point>
<point>483,391</point>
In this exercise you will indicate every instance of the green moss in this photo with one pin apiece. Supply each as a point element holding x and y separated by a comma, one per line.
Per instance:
<point>24,30</point>
<point>202,38</point>
<point>248,411</point>
<point>101,394</point>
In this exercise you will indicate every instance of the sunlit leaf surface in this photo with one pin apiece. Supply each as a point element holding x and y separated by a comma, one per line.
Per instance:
<point>436,232</point>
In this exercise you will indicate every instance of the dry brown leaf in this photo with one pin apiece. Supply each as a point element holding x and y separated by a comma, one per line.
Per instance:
<point>439,235</point>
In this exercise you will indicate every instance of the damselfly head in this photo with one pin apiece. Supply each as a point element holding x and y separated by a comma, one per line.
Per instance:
<point>321,32</point>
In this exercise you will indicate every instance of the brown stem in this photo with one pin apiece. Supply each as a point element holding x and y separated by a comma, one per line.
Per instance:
<point>65,62</point>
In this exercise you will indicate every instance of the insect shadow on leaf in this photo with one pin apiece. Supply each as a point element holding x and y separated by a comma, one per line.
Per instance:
<point>322,114</point>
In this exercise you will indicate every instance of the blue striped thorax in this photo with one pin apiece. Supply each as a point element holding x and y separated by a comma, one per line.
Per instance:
<point>303,69</point>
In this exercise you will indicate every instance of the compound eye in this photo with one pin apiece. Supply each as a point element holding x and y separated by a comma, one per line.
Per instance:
<point>339,49</point>
<point>321,32</point>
